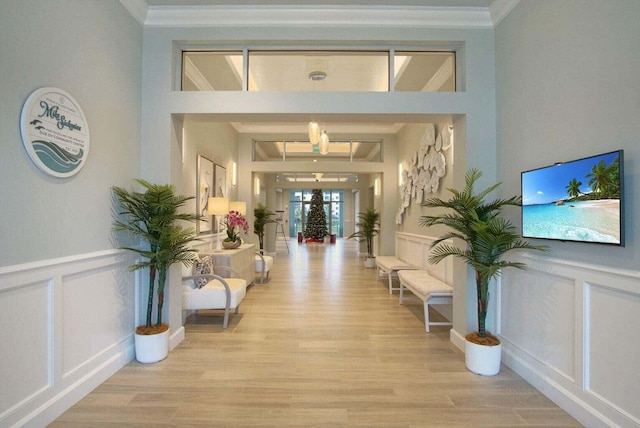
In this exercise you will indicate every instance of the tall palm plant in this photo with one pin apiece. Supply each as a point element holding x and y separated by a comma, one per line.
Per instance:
<point>488,236</point>
<point>368,228</point>
<point>152,218</point>
<point>262,217</point>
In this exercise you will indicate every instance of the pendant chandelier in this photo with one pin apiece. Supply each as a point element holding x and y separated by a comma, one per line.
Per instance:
<point>314,133</point>
<point>315,137</point>
<point>324,143</point>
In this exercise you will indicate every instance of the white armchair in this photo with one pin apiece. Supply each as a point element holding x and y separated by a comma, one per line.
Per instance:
<point>263,266</point>
<point>212,291</point>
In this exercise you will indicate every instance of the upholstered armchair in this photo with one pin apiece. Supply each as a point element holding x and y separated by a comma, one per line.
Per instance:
<point>205,289</point>
<point>263,266</point>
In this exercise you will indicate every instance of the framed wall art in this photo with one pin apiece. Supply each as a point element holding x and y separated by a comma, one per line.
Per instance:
<point>221,182</point>
<point>204,190</point>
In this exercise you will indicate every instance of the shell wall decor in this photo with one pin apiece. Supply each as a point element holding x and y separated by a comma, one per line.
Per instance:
<point>426,166</point>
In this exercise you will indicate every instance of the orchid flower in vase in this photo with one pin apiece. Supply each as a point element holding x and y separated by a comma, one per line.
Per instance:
<point>234,222</point>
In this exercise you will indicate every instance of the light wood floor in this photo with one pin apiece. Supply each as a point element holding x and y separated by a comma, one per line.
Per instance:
<point>322,344</point>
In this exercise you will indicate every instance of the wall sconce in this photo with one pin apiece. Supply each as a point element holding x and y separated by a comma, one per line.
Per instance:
<point>184,144</point>
<point>218,207</point>
<point>376,187</point>
<point>257,186</point>
<point>234,174</point>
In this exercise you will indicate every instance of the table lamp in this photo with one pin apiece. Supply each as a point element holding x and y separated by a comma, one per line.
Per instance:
<point>239,206</point>
<point>218,207</point>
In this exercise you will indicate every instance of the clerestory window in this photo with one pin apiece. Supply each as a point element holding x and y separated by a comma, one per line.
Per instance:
<point>319,70</point>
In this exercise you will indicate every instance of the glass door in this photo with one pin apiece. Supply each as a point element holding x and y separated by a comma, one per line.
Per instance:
<point>300,204</point>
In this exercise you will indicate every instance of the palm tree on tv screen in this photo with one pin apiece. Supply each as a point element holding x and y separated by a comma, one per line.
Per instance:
<point>573,188</point>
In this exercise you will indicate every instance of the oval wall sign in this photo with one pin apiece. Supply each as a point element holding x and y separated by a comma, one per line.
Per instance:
<point>54,132</point>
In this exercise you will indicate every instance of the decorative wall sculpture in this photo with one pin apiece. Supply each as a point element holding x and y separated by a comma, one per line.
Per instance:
<point>426,166</point>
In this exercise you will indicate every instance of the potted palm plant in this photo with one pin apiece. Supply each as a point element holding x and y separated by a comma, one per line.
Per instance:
<point>262,217</point>
<point>488,238</point>
<point>152,217</point>
<point>368,228</point>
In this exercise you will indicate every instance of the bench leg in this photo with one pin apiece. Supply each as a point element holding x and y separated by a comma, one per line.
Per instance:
<point>390,282</point>
<point>436,300</point>
<point>225,323</point>
<point>426,316</point>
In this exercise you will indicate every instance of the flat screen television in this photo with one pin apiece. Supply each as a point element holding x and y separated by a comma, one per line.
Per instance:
<point>581,200</point>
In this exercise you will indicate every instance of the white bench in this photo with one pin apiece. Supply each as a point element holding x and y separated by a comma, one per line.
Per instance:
<point>390,265</point>
<point>430,290</point>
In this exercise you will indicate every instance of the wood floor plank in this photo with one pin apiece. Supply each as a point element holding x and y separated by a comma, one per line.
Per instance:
<point>323,343</point>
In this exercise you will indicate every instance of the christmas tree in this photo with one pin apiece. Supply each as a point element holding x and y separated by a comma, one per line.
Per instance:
<point>317,219</point>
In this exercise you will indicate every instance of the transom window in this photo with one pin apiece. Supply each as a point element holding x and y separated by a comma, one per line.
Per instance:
<point>321,70</point>
<point>350,151</point>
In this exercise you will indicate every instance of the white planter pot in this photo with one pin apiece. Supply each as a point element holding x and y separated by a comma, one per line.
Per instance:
<point>152,348</point>
<point>481,359</point>
<point>370,262</point>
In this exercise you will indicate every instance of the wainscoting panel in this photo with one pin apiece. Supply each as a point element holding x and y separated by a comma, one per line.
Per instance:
<point>25,356</point>
<point>67,326</point>
<point>111,317</point>
<point>571,331</point>
<point>537,316</point>
<point>611,345</point>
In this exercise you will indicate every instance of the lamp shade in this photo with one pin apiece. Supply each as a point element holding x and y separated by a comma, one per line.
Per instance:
<point>324,143</point>
<point>314,133</point>
<point>239,206</point>
<point>218,206</point>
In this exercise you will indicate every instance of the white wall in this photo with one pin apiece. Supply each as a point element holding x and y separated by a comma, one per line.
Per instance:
<point>567,88</point>
<point>199,135</point>
<point>408,144</point>
<point>91,50</point>
<point>66,298</point>
<point>464,303</point>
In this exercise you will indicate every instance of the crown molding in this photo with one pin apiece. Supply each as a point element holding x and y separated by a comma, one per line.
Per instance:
<point>137,8</point>
<point>317,16</point>
<point>500,9</point>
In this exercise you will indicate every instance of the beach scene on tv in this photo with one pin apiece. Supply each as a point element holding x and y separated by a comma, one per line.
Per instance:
<point>574,201</point>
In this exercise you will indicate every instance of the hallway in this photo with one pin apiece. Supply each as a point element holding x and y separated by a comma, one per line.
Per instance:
<point>323,344</point>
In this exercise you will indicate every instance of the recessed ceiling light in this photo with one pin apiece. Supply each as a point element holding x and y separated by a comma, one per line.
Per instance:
<point>317,75</point>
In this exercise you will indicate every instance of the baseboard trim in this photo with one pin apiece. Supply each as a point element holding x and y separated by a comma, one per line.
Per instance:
<point>562,396</point>
<point>176,338</point>
<point>60,403</point>
<point>457,339</point>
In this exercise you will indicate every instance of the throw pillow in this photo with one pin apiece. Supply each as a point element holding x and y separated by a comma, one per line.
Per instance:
<point>203,266</point>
